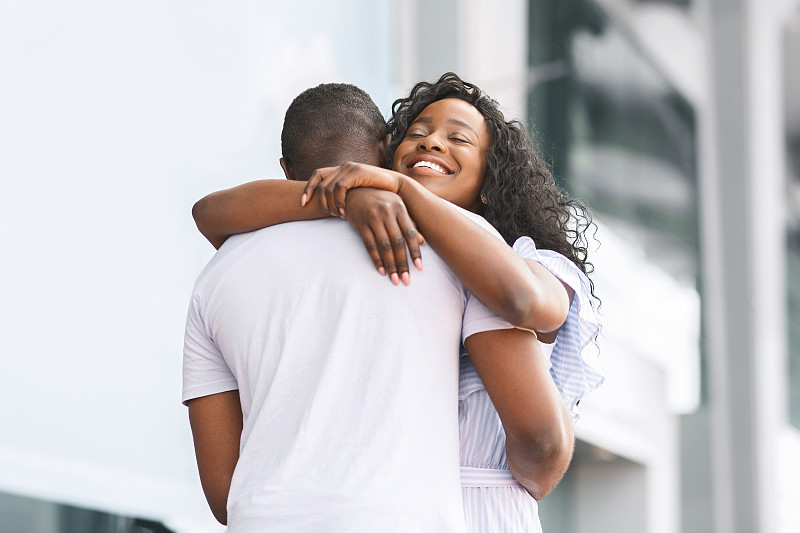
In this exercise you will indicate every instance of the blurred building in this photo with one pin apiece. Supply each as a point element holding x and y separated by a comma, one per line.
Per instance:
<point>677,121</point>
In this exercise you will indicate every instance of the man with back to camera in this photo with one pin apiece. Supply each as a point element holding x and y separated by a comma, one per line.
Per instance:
<point>312,407</point>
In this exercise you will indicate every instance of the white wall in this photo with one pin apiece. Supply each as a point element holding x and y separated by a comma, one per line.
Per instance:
<point>116,117</point>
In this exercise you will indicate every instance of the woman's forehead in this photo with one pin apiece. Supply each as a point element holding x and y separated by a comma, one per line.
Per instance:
<point>454,111</point>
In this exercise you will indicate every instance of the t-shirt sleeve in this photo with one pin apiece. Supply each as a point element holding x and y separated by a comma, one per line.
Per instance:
<point>479,318</point>
<point>205,371</point>
<point>574,362</point>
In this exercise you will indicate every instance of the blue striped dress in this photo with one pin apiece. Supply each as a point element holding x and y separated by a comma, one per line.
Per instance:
<point>493,500</point>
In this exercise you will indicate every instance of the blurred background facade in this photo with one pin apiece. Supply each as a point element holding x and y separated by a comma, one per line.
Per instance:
<point>677,121</point>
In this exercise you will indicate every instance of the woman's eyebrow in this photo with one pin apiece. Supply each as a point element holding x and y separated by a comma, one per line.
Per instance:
<point>463,124</point>
<point>454,121</point>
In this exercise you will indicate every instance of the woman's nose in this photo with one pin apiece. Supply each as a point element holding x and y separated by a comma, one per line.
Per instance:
<point>431,143</point>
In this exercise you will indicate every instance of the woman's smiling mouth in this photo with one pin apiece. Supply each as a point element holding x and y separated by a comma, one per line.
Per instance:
<point>430,165</point>
<point>427,162</point>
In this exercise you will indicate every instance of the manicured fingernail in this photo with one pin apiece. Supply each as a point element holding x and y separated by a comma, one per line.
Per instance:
<point>303,200</point>
<point>381,271</point>
<point>418,263</point>
<point>341,211</point>
<point>395,279</point>
<point>406,278</point>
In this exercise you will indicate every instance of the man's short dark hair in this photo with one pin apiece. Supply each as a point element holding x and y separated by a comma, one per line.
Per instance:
<point>323,120</point>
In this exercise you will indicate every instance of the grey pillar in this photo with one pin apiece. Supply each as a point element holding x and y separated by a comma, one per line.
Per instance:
<point>727,211</point>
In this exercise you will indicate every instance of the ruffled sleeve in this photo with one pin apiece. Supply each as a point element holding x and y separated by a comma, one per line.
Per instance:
<point>574,363</point>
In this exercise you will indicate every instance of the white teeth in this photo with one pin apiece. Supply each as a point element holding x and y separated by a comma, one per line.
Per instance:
<point>428,164</point>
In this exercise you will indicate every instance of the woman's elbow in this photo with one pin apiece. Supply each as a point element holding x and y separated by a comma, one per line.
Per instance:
<point>548,445</point>
<point>531,311</point>
<point>540,460</point>
<point>201,213</point>
<point>200,210</point>
<point>518,308</point>
<point>221,515</point>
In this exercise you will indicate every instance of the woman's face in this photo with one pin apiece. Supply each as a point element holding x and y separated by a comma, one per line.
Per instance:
<point>445,151</point>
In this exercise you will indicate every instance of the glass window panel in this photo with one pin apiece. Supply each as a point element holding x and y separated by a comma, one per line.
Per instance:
<point>793,318</point>
<point>678,3</point>
<point>615,132</point>
<point>792,114</point>
<point>793,277</point>
<point>20,514</point>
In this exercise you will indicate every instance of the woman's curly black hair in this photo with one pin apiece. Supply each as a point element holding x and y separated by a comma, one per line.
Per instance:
<point>521,196</point>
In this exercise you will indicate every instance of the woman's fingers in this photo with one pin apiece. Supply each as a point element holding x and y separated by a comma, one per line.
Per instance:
<point>339,195</point>
<point>380,217</point>
<point>412,238</point>
<point>330,204</point>
<point>398,245</point>
<point>372,248</point>
<point>323,182</point>
<point>322,200</point>
<point>386,251</point>
<point>311,185</point>
<point>320,183</point>
<point>334,182</point>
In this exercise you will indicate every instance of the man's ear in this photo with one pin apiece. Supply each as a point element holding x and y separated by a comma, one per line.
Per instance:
<point>384,151</point>
<point>288,169</point>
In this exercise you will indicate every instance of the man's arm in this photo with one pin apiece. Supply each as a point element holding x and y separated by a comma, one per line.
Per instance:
<point>216,422</point>
<point>539,432</point>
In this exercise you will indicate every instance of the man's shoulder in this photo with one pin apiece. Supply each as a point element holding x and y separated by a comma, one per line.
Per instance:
<point>281,242</point>
<point>219,258</point>
<point>479,220</point>
<point>327,254</point>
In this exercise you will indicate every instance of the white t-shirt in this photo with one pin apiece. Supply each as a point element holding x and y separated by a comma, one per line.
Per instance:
<point>348,384</point>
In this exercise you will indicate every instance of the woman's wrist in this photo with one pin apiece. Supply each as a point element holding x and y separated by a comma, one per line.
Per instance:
<point>405,186</point>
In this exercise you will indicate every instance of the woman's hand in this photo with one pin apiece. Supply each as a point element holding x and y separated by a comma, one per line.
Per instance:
<point>381,218</point>
<point>334,182</point>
